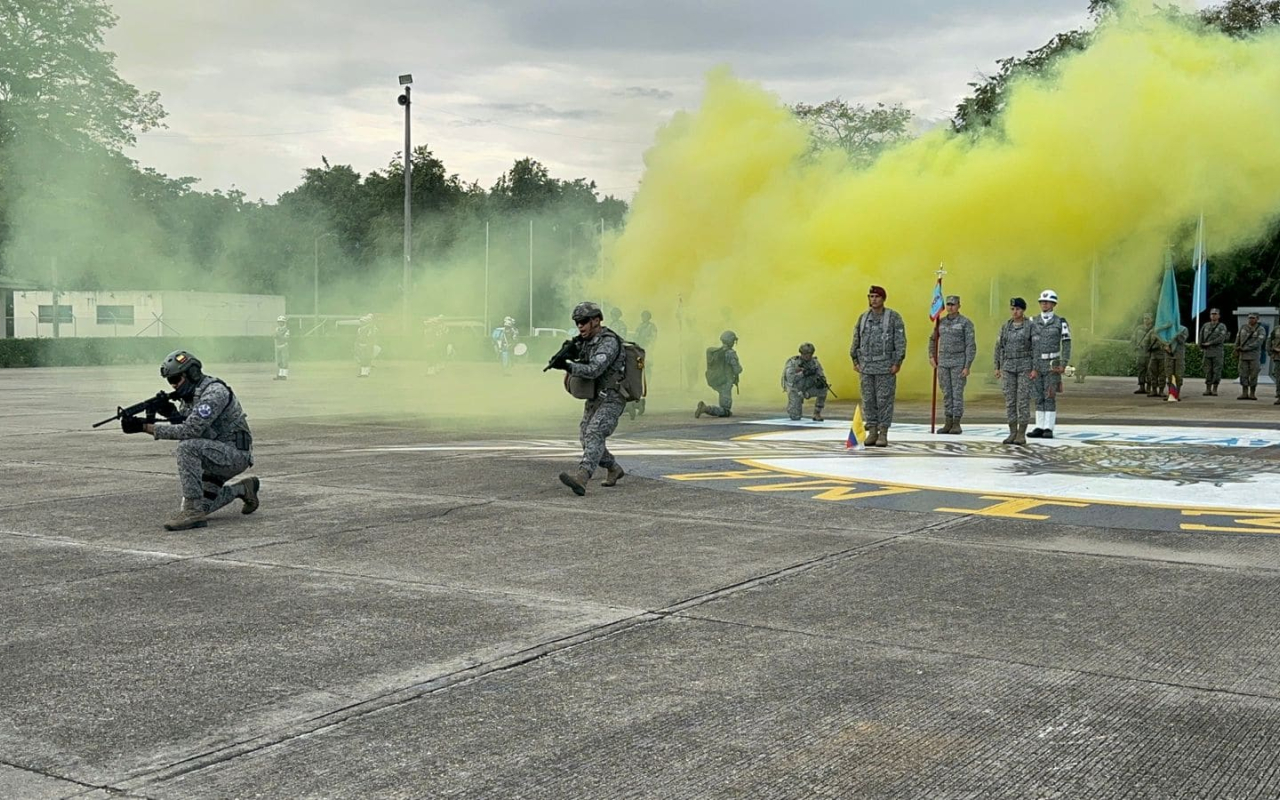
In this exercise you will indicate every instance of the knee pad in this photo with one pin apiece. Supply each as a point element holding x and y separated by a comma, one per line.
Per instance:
<point>214,479</point>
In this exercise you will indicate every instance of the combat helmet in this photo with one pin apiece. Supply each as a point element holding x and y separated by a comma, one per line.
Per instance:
<point>587,310</point>
<point>179,363</point>
<point>807,349</point>
<point>728,338</point>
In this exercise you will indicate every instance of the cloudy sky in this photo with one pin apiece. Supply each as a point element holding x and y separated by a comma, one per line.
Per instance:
<point>259,90</point>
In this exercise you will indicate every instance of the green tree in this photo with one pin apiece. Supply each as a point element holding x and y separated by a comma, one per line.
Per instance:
<point>57,81</point>
<point>862,133</point>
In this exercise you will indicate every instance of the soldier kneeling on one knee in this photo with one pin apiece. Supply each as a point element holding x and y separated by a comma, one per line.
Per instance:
<point>802,378</point>
<point>214,442</point>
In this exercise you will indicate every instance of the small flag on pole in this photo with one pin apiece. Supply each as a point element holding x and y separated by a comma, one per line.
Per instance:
<point>857,431</point>
<point>936,307</point>
<point>1173,389</point>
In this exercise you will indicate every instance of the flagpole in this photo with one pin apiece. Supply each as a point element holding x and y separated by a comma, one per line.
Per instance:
<point>937,322</point>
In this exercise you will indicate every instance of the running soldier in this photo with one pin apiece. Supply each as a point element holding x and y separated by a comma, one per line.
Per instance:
<point>598,365</point>
<point>1016,350</point>
<point>723,370</point>
<point>878,349</point>
<point>802,378</point>
<point>1249,341</point>
<point>952,349</point>
<point>1213,335</point>
<point>214,442</point>
<point>282,349</point>
<point>1053,354</point>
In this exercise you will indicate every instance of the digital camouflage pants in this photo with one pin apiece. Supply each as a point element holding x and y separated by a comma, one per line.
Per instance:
<point>1016,385</point>
<point>599,420</point>
<point>198,458</point>
<point>1212,368</point>
<point>725,407</point>
<point>878,394</point>
<point>952,384</point>
<point>1249,370</point>
<point>796,397</point>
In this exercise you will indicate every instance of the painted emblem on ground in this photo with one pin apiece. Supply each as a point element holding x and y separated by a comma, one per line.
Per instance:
<point>1126,476</point>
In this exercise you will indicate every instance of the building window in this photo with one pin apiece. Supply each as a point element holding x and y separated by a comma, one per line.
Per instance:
<point>46,315</point>
<point>115,315</point>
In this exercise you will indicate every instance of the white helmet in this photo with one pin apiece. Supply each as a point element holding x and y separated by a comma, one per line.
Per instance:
<point>508,320</point>
<point>282,318</point>
<point>1048,296</point>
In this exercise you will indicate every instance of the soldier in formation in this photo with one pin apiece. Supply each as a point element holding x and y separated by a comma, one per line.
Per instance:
<point>1213,335</point>
<point>952,349</point>
<point>1016,360</point>
<point>1138,339</point>
<point>802,378</point>
<point>596,369</point>
<point>214,442</point>
<point>1249,342</point>
<point>366,345</point>
<point>723,371</point>
<point>1175,360</point>
<point>1053,355</point>
<point>1273,353</point>
<point>282,348</point>
<point>1153,346</point>
<point>878,349</point>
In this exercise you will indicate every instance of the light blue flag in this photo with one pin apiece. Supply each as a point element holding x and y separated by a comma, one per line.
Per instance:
<point>1200,261</point>
<point>1168,312</point>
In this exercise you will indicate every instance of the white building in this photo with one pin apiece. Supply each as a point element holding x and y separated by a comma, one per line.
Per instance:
<point>144,313</point>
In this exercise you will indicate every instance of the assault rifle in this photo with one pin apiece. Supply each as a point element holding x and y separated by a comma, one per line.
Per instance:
<point>161,404</point>
<point>566,352</point>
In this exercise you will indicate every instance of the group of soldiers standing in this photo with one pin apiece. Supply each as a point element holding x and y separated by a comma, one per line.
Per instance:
<point>1162,364</point>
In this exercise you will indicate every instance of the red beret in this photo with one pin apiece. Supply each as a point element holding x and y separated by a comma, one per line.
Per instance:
<point>876,290</point>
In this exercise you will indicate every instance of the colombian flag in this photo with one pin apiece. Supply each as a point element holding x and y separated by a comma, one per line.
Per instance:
<point>1173,390</point>
<point>857,431</point>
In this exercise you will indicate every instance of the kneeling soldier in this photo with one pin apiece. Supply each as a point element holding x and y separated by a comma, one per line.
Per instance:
<point>802,378</point>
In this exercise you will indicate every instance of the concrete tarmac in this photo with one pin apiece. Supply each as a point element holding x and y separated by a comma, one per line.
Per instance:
<point>455,623</point>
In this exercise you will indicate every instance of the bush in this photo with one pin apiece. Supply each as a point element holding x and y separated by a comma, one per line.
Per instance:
<point>67,352</point>
<point>1113,357</point>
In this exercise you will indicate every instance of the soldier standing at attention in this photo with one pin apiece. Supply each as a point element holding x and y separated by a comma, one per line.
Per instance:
<point>802,378</point>
<point>1016,349</point>
<point>952,349</point>
<point>1249,342</point>
<point>723,370</point>
<point>282,349</point>
<point>1053,354</point>
<point>1212,336</point>
<point>600,361</point>
<point>366,344</point>
<point>214,442</point>
<point>1175,360</point>
<point>1139,341</point>
<point>1156,377</point>
<point>878,349</point>
<point>1273,353</point>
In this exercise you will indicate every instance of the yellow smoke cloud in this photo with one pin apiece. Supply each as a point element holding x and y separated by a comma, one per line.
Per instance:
<point>1097,172</point>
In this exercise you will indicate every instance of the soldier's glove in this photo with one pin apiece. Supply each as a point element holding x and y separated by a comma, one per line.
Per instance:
<point>167,409</point>
<point>561,363</point>
<point>132,424</point>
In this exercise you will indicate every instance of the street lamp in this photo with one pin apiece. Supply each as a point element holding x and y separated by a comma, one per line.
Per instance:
<point>315,283</point>
<point>405,80</point>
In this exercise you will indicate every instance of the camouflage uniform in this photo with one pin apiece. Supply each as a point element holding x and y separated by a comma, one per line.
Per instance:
<point>366,346</point>
<point>1249,341</point>
<point>1138,341</point>
<point>1175,358</point>
<point>1273,353</point>
<point>801,380</point>
<point>1213,335</point>
<point>1053,349</point>
<point>1015,357</point>
<point>282,350</point>
<point>1156,377</point>
<point>599,359</point>
<point>725,388</point>
<point>957,348</point>
<point>214,444</point>
<point>879,344</point>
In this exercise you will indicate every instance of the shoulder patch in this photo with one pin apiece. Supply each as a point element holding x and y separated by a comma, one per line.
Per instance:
<point>204,410</point>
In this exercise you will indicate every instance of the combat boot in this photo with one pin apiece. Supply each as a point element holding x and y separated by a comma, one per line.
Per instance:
<point>615,474</point>
<point>882,437</point>
<point>1208,390</point>
<point>872,435</point>
<point>1021,436</point>
<point>190,514</point>
<point>1142,389</point>
<point>1013,433</point>
<point>955,426</point>
<point>947,427</point>
<point>700,410</point>
<point>250,496</point>
<point>1244,393</point>
<point>577,482</point>
<point>1215,390</point>
<point>1253,392</point>
<point>817,415</point>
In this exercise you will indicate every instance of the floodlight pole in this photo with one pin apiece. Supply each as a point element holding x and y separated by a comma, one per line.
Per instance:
<point>405,101</point>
